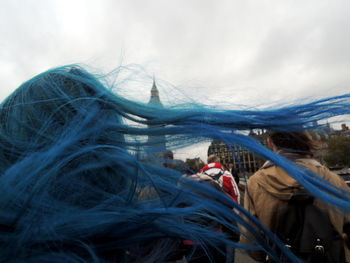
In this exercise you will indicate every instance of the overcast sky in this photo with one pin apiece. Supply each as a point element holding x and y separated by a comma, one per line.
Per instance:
<point>237,52</point>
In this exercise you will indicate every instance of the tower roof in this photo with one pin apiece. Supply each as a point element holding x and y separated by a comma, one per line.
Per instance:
<point>154,99</point>
<point>154,86</point>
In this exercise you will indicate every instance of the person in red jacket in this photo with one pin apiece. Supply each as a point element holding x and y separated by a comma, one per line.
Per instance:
<point>215,175</point>
<point>223,177</point>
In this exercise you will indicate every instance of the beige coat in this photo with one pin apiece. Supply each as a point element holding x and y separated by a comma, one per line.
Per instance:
<point>269,189</point>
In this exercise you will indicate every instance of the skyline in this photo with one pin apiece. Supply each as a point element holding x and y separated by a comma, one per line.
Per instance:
<point>230,53</point>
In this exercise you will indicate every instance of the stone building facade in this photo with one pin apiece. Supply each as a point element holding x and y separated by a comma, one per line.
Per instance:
<point>243,160</point>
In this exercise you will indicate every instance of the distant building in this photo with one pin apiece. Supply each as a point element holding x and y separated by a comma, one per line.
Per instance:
<point>155,99</point>
<point>156,151</point>
<point>320,137</point>
<point>344,127</point>
<point>242,159</point>
<point>345,130</point>
<point>157,142</point>
<point>246,161</point>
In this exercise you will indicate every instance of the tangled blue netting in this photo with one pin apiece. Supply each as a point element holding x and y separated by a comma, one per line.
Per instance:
<point>76,185</point>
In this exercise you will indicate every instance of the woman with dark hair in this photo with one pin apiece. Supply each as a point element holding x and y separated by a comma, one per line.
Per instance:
<point>270,189</point>
<point>298,142</point>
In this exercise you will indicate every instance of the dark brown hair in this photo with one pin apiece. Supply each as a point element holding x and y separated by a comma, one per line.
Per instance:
<point>299,141</point>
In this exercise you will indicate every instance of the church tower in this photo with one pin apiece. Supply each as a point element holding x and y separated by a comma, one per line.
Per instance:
<point>156,142</point>
<point>154,99</point>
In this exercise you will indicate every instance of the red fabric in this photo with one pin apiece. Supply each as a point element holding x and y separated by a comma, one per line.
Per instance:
<point>228,184</point>
<point>211,166</point>
<point>229,187</point>
<point>226,181</point>
<point>190,243</point>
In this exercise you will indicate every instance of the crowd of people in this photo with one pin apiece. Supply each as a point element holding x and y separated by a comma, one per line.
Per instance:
<point>75,189</point>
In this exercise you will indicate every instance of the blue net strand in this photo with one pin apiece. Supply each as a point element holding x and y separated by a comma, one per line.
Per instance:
<point>82,182</point>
